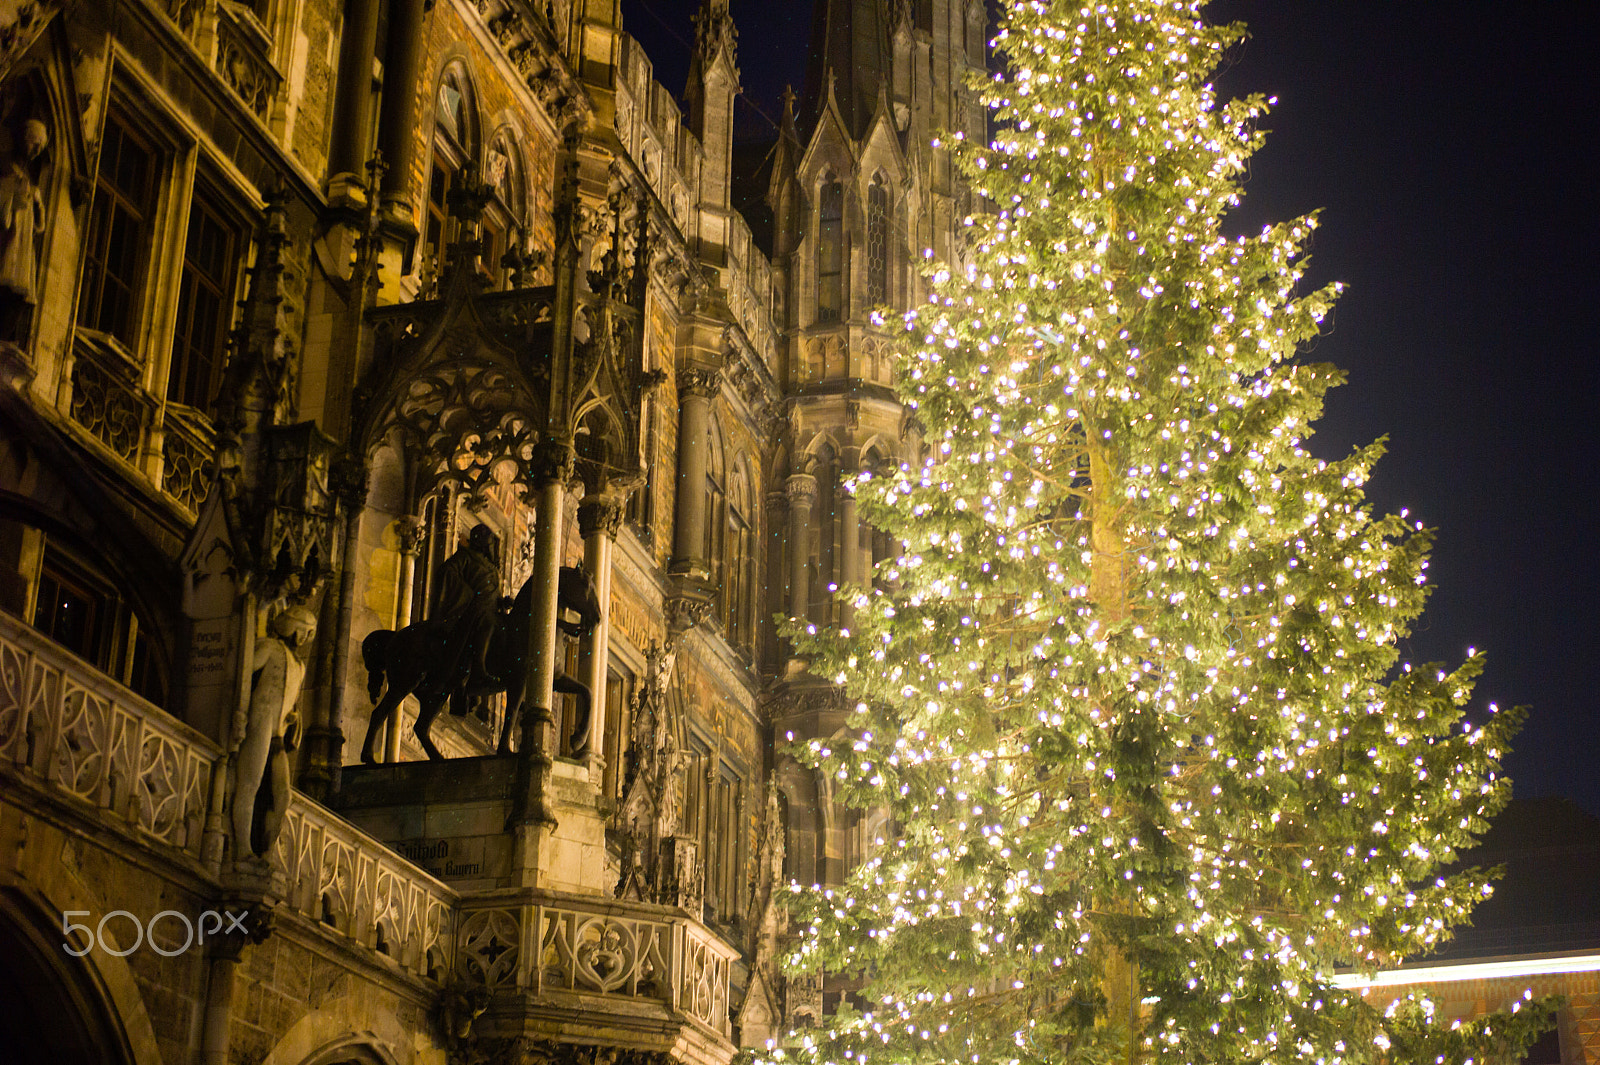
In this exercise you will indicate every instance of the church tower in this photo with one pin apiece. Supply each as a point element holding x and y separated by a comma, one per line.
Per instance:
<point>859,196</point>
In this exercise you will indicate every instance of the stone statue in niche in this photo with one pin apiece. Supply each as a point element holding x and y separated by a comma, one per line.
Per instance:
<point>21,227</point>
<point>271,731</point>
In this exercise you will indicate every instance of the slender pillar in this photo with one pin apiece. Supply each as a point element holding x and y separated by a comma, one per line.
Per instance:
<point>402,69</point>
<point>217,1032</point>
<point>353,501</point>
<point>599,521</point>
<point>551,468</point>
<point>772,595</point>
<point>352,106</point>
<point>850,552</point>
<point>802,491</point>
<point>696,386</point>
<point>410,532</point>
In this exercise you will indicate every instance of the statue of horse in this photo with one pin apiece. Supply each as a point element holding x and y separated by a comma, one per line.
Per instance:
<point>406,663</point>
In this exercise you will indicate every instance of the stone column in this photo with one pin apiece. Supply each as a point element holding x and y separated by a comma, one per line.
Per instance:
<point>849,551</point>
<point>696,386</point>
<point>772,597</point>
<point>402,70</point>
<point>802,491</point>
<point>352,106</point>
<point>550,470</point>
<point>599,521</point>
<point>410,532</point>
<point>353,503</point>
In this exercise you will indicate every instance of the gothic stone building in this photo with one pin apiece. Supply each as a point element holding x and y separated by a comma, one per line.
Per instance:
<point>302,299</point>
<point>309,313</point>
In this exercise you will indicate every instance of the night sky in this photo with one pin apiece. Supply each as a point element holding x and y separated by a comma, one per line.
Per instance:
<point>1451,147</point>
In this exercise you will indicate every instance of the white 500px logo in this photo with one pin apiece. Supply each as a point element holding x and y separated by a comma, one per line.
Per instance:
<point>96,936</point>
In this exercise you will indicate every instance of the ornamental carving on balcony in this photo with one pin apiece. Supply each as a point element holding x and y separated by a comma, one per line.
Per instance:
<point>106,403</point>
<point>243,58</point>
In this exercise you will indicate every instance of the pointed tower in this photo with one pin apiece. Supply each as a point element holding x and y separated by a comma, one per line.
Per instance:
<point>713,84</point>
<point>849,58</point>
<point>857,193</point>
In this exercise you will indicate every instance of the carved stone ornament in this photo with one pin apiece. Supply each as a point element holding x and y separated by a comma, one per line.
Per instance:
<point>801,488</point>
<point>699,382</point>
<point>684,612</point>
<point>551,460</point>
<point>411,533</point>
<point>602,514</point>
<point>714,33</point>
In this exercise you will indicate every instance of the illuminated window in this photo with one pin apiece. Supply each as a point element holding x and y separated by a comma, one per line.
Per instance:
<point>737,605</point>
<point>455,146</point>
<point>503,219</point>
<point>713,547</point>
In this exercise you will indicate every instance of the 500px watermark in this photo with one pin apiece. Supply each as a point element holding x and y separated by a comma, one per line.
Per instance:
<point>221,923</point>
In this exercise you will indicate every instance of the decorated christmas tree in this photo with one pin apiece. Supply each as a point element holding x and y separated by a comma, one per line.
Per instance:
<point>1130,692</point>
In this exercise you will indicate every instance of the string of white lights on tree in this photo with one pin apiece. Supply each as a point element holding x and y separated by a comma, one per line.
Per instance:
<point>1130,693</point>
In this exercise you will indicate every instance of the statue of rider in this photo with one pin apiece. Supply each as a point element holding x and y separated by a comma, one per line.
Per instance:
<point>465,602</point>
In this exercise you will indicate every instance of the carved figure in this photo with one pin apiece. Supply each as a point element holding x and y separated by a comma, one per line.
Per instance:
<point>271,731</point>
<point>21,225</point>
<point>466,601</point>
<point>413,661</point>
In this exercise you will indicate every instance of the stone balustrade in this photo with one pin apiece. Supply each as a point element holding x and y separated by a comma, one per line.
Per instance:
<point>338,875</point>
<point>587,946</point>
<point>67,727</point>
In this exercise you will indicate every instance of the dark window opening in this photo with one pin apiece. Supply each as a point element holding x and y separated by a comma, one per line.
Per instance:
<point>205,306</point>
<point>877,244</point>
<point>830,253</point>
<point>1546,1050</point>
<point>119,233</point>
<point>440,182</point>
<point>80,610</point>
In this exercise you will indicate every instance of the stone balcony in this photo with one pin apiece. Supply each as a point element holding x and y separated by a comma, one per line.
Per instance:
<point>537,926</point>
<point>419,877</point>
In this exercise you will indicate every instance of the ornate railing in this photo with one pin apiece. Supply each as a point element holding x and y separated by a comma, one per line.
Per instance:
<point>345,879</point>
<point>244,58</point>
<point>69,727</point>
<point>188,465</point>
<point>107,399</point>
<point>110,402</point>
<point>597,946</point>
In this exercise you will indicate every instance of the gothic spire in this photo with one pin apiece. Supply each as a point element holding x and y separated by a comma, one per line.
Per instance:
<point>850,47</point>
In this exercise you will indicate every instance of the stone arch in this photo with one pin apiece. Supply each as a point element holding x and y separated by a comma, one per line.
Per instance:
<point>455,105</point>
<point>357,1028</point>
<point>96,996</point>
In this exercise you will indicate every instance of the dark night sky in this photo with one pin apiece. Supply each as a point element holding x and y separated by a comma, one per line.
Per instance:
<point>1451,148</point>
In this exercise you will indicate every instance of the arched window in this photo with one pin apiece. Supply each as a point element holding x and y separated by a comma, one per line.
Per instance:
<point>714,548</point>
<point>738,578</point>
<point>455,146</point>
<point>877,243</point>
<point>503,219</point>
<point>830,252</point>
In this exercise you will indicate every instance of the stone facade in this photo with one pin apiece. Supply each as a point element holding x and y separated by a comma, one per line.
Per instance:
<point>322,289</point>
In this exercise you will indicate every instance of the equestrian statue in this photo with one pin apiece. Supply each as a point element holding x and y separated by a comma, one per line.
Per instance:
<point>473,643</point>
